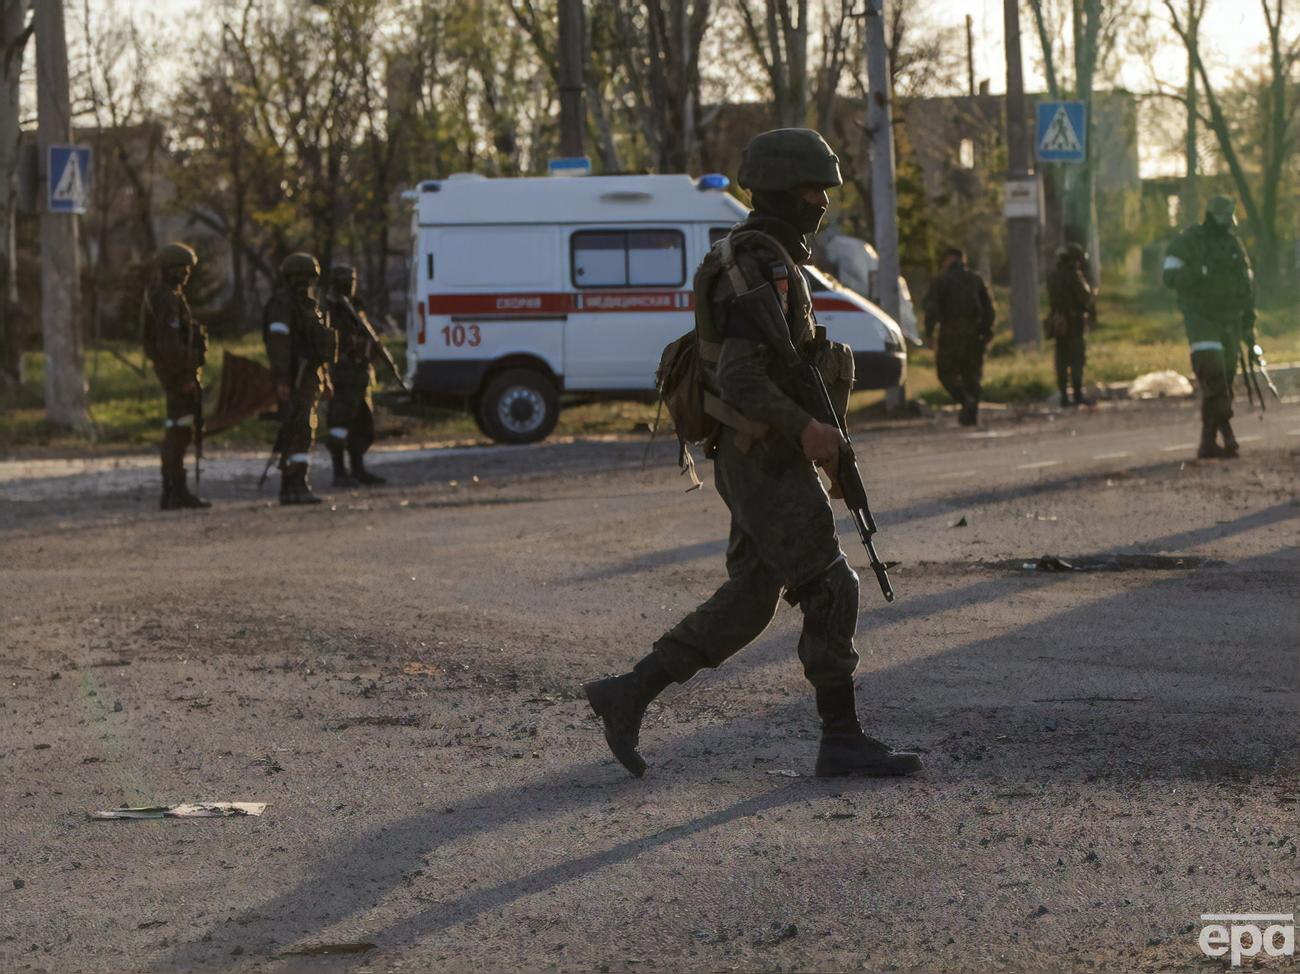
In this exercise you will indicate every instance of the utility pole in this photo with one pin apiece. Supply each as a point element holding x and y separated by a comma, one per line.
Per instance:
<point>884,198</point>
<point>1022,230</point>
<point>572,44</point>
<point>65,365</point>
<point>970,55</point>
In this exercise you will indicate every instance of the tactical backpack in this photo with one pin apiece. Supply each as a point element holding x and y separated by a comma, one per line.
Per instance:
<point>685,378</point>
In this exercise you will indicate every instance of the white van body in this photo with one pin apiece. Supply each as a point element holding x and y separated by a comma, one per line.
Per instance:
<point>525,289</point>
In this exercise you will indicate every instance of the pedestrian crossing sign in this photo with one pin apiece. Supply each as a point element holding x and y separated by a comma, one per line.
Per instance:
<point>1062,131</point>
<point>69,178</point>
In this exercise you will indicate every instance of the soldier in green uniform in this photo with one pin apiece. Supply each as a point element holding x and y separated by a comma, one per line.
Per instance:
<point>301,347</point>
<point>783,537</point>
<point>959,303</point>
<point>1210,269</point>
<point>350,416</point>
<point>176,344</point>
<point>1073,304</point>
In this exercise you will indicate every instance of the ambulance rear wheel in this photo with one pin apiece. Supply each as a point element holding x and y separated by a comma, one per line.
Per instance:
<point>518,406</point>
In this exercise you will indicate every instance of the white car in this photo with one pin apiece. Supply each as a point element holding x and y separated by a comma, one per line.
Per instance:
<point>523,290</point>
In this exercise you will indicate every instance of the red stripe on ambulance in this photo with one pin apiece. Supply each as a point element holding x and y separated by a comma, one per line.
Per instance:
<point>590,302</point>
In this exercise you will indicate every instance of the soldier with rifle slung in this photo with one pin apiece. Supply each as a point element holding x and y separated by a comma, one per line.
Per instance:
<point>301,347</point>
<point>756,334</point>
<point>1209,268</point>
<point>177,345</point>
<point>350,416</point>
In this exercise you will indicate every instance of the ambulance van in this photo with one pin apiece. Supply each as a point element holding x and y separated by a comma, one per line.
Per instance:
<point>526,291</point>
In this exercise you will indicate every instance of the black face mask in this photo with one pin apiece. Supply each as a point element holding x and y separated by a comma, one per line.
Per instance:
<point>789,206</point>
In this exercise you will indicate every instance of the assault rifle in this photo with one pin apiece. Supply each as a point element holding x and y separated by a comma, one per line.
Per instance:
<point>198,434</point>
<point>286,414</point>
<point>1253,367</point>
<point>360,316</point>
<point>762,306</point>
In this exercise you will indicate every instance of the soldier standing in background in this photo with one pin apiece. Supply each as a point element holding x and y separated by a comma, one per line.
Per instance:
<point>350,416</point>
<point>959,303</point>
<point>1073,306</point>
<point>177,345</point>
<point>301,347</point>
<point>1209,268</point>
<point>783,536</point>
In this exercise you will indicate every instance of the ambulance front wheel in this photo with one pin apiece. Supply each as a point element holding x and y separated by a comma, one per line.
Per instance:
<point>518,406</point>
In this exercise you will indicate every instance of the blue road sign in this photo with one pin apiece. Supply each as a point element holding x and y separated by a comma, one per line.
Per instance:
<point>570,166</point>
<point>69,178</point>
<point>1062,131</point>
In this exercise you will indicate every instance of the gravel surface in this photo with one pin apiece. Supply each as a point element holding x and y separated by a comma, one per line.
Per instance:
<point>1110,753</point>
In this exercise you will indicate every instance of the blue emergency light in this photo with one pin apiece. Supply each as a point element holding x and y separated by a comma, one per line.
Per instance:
<point>712,180</point>
<point>430,186</point>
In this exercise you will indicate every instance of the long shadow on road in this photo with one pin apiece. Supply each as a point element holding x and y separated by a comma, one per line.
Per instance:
<point>1177,731</point>
<point>894,518</point>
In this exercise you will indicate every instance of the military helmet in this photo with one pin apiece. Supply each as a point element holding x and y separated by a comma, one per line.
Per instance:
<point>176,255</point>
<point>1071,251</point>
<point>784,159</point>
<point>298,266</point>
<point>343,274</point>
<point>1221,209</point>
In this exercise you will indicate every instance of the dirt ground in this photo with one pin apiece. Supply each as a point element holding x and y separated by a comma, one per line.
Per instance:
<point>1109,753</point>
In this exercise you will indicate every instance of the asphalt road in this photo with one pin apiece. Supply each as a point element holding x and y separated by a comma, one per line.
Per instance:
<point>1110,753</point>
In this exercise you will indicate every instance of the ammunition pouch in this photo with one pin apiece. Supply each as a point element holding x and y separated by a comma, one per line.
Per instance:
<point>321,342</point>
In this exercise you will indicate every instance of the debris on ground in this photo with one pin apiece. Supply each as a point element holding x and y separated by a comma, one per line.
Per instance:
<point>1110,563</point>
<point>185,810</point>
<point>960,523</point>
<point>1051,563</point>
<point>785,773</point>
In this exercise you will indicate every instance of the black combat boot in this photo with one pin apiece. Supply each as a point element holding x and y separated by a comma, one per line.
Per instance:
<point>1065,399</point>
<point>183,497</point>
<point>846,750</point>
<point>968,411</point>
<point>1080,399</point>
<point>359,471</point>
<point>1209,448</point>
<point>620,702</point>
<point>1231,450</point>
<point>341,476</point>
<point>293,486</point>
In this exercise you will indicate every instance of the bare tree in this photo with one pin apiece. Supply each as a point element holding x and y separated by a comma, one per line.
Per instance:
<point>780,43</point>
<point>1274,142</point>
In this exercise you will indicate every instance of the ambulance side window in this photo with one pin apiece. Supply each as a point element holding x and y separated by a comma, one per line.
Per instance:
<point>628,258</point>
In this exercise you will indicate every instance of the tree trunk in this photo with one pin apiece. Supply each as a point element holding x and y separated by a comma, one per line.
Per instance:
<point>65,380</point>
<point>1189,207</point>
<point>13,42</point>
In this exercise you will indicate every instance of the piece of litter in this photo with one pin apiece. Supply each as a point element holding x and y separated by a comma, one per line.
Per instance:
<point>186,810</point>
<point>320,950</point>
<point>961,523</point>
<point>1053,563</point>
<point>785,773</point>
<point>417,668</point>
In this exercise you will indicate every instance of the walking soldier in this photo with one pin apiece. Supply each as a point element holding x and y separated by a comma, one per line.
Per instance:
<point>959,303</point>
<point>783,537</point>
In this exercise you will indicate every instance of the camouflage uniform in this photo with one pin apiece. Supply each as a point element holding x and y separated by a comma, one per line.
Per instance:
<point>300,346</point>
<point>782,533</point>
<point>782,526</point>
<point>177,345</point>
<point>1210,269</point>
<point>1073,304</point>
<point>350,416</point>
<point>959,303</point>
